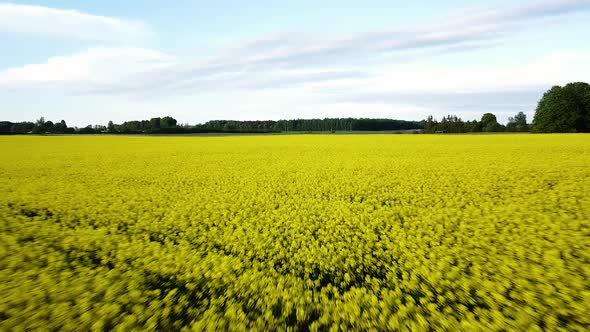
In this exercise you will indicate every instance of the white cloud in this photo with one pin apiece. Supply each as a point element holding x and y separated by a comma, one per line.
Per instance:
<point>386,73</point>
<point>559,67</point>
<point>288,60</point>
<point>256,63</point>
<point>95,65</point>
<point>68,24</point>
<point>455,90</point>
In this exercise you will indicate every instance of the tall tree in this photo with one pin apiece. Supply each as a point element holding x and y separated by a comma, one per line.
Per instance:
<point>489,123</point>
<point>154,123</point>
<point>430,124</point>
<point>39,126</point>
<point>168,122</point>
<point>564,109</point>
<point>111,127</point>
<point>517,123</point>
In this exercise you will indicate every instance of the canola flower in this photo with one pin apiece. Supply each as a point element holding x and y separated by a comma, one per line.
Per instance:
<point>302,232</point>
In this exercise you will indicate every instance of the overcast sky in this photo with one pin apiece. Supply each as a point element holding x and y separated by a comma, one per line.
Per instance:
<point>95,61</point>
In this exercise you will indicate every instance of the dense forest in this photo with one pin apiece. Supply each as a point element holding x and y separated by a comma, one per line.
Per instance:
<point>561,109</point>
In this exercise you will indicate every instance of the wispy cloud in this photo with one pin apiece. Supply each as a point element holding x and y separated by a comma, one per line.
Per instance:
<point>534,10</point>
<point>281,54</point>
<point>290,60</point>
<point>68,24</point>
<point>473,26</point>
<point>463,91</point>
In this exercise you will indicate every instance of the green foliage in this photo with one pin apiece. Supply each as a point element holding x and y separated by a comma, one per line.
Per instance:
<point>306,125</point>
<point>450,124</point>
<point>41,126</point>
<point>155,123</point>
<point>295,232</point>
<point>564,109</point>
<point>517,123</point>
<point>168,122</point>
<point>489,123</point>
<point>169,125</point>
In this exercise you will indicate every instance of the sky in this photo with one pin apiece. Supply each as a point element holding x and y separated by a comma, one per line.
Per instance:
<point>89,62</point>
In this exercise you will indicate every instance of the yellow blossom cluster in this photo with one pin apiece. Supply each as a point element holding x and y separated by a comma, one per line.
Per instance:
<point>295,233</point>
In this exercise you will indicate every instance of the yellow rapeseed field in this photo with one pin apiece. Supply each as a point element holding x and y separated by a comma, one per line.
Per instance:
<point>295,232</point>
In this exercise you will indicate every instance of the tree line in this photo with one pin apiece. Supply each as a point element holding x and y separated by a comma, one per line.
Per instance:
<point>169,125</point>
<point>327,124</point>
<point>488,123</point>
<point>40,126</point>
<point>561,109</point>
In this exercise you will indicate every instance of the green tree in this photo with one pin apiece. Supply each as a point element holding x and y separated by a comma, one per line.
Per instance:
<point>168,122</point>
<point>111,127</point>
<point>564,109</point>
<point>39,127</point>
<point>154,124</point>
<point>472,126</point>
<point>517,123</point>
<point>430,124</point>
<point>489,123</point>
